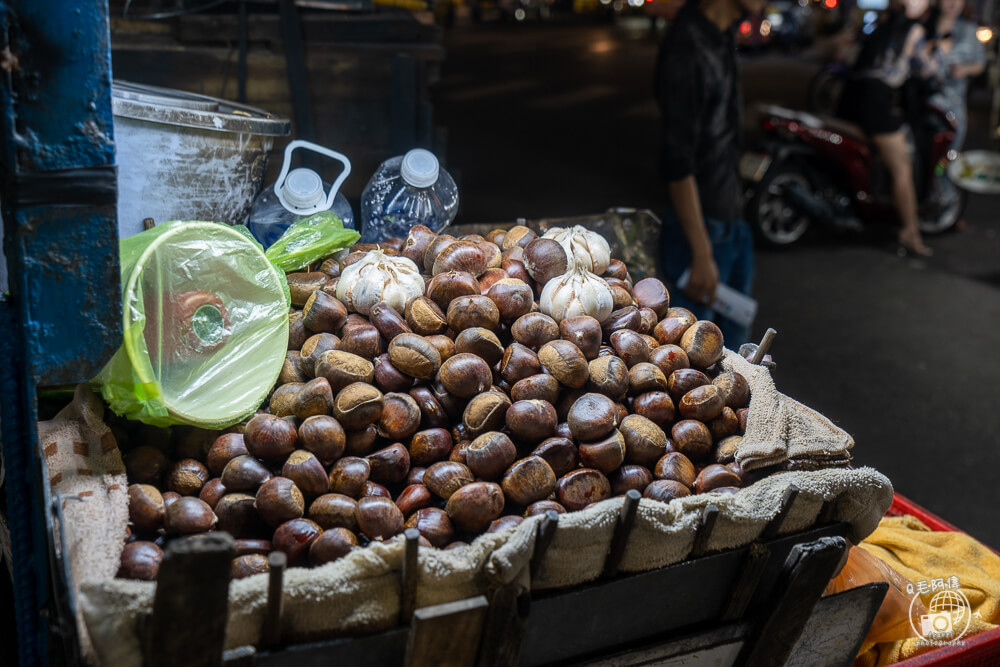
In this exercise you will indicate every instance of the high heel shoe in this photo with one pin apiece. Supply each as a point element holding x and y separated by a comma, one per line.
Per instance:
<point>918,249</point>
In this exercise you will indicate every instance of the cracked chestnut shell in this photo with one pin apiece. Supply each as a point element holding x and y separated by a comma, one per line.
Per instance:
<point>474,506</point>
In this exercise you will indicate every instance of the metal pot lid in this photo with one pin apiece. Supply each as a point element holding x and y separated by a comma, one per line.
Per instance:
<point>177,107</point>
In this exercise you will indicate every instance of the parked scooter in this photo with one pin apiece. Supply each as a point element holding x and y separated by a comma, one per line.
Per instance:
<point>819,169</point>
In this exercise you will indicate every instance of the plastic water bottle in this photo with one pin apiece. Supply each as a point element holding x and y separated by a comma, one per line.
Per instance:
<point>298,194</point>
<point>407,190</point>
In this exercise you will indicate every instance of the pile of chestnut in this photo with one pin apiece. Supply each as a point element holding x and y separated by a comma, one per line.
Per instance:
<point>462,412</point>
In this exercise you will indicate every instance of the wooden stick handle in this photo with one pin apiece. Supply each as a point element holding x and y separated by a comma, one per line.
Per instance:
<point>765,345</point>
<point>409,599</point>
<point>271,632</point>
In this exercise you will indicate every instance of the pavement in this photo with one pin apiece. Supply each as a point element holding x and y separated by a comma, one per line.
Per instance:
<point>558,119</point>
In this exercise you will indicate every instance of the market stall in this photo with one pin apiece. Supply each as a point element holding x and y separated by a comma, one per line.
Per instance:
<point>488,445</point>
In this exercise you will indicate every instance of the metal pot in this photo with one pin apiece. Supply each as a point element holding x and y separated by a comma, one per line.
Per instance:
<point>183,156</point>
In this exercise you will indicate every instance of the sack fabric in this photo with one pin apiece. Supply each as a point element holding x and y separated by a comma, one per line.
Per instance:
<point>360,593</point>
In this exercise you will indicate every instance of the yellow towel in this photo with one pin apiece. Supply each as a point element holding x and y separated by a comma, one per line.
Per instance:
<point>921,555</point>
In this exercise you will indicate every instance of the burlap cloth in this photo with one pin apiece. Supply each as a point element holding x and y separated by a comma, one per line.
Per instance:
<point>361,592</point>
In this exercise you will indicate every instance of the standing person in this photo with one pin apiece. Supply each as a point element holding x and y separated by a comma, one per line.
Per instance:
<point>870,100</point>
<point>698,90</point>
<point>959,56</point>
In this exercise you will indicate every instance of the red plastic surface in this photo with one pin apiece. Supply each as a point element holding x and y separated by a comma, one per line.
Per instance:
<point>982,650</point>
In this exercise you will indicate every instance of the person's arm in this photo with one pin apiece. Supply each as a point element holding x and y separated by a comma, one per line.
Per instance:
<point>680,94</point>
<point>704,273</point>
<point>969,56</point>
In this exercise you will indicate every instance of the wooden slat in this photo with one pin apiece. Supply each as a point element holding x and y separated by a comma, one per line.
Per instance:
<point>772,529</point>
<point>708,518</point>
<point>446,635</point>
<point>271,630</point>
<point>408,577</point>
<point>623,528</point>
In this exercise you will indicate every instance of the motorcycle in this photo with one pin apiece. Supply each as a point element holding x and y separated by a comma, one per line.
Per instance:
<point>818,169</point>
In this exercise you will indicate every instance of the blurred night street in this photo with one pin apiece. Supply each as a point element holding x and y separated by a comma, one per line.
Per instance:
<point>557,118</point>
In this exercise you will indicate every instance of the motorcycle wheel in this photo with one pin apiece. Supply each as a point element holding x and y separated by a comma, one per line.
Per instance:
<point>943,206</point>
<point>774,221</point>
<point>824,91</point>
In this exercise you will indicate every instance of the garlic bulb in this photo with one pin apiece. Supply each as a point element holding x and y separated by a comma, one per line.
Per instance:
<point>583,244</point>
<point>379,277</point>
<point>577,292</point>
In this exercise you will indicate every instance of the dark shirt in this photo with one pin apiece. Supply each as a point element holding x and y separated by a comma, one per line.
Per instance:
<point>698,89</point>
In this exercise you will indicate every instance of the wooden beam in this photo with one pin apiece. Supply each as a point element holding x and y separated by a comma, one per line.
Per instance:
<point>623,528</point>
<point>446,635</point>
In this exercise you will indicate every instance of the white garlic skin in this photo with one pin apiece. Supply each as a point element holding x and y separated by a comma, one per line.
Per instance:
<point>379,277</point>
<point>579,242</point>
<point>577,292</point>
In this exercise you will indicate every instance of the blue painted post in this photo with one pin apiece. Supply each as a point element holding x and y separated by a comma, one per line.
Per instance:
<point>62,318</point>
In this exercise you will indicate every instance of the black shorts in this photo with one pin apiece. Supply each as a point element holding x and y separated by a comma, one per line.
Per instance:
<point>871,104</point>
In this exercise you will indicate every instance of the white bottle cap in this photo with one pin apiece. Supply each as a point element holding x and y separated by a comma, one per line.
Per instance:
<point>419,168</point>
<point>303,188</point>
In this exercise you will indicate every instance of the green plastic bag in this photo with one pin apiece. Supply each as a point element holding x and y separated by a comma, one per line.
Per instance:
<point>205,321</point>
<point>310,239</point>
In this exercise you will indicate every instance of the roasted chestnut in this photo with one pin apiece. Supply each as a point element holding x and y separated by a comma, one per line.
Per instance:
<point>545,259</point>
<point>584,332</point>
<point>534,330</point>
<point>714,476</point>
<point>476,310</point>
<point>684,380</point>
<point>445,288</point>
<point>565,362</point>
<point>140,560</point>
<point>343,368</point>
<point>425,317</point>
<point>630,347</point>
<point>630,477</point>
<point>543,507</point>
<point>703,343</point>
<point>513,298</point>
<point>692,438</point>
<point>474,506</point>
<point>735,389</point>
<point>531,421</point>
<point>665,490</point>
<point>248,565</point>
<point>358,405</point>
<point>592,417</point>
<point>652,293</point>
<point>434,525</point>
<point>677,467</point>
<point>669,358</point>
<point>269,437</point>
<point>379,518</point>
<point>213,490</point>
<point>349,475</point>
<point>528,480</point>
<point>606,454</point>
<point>703,403</point>
<point>490,454</point>
<point>560,453</point>
<point>655,406</point>
<point>189,515</point>
<point>645,442</point>
<point>323,313</point>
<point>465,375</point>
<point>645,377</point>
<point>519,362</point>
<point>673,325</point>
<point>332,510</point>
<point>413,498</point>
<point>480,342</point>
<point>332,545</point>
<point>145,465</point>
<point>323,436</point>
<point>485,412</point>
<point>582,487</point>
<point>187,476</point>
<point>146,509</point>
<point>540,387</point>
<point>609,376</point>
<point>389,465</point>
<point>225,448</point>
<point>445,477</point>
<point>294,537</point>
<point>413,355</point>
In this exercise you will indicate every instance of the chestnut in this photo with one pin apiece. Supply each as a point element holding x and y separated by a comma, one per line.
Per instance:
<point>465,375</point>
<point>146,509</point>
<point>645,442</point>
<point>669,358</point>
<point>735,389</point>
<point>480,342</point>
<point>358,405</point>
<point>225,448</point>
<point>301,285</point>
<point>294,537</point>
<point>331,545</point>
<point>445,477</point>
<point>459,451</point>
<point>692,438</point>
<point>305,470</point>
<point>313,398</point>
<point>620,296</point>
<point>429,446</point>
<point>565,362</point>
<point>742,415</point>
<point>279,500</point>
<point>364,340</point>
<point>323,313</point>
<point>673,325</point>
<point>349,475</point>
<point>333,510</point>
<point>170,496</point>
<point>474,506</point>
<point>630,477</point>
<point>343,368</point>
<point>389,465</point>
<point>646,377</point>
<point>434,248</point>
<point>413,498</point>
<point>145,465</point>
<point>584,332</point>
<point>714,476</point>
<point>238,515</point>
<point>424,317</point>
<point>400,416</point>
<point>665,490</point>
<point>544,259</point>
<point>684,380</point>
<point>491,277</point>
<point>494,256</point>
<point>560,453</point>
<point>592,416</point>
<point>519,235</point>
<point>446,287</point>
<point>323,436</point>
<point>606,454</point>
<point>140,560</point>
<point>269,437</point>
<point>297,333</point>
<point>315,346</point>
<point>652,293</point>
<point>413,355</point>
<point>531,421</point>
<point>282,401</point>
<point>416,474</point>
<point>540,387</point>
<point>543,507</point>
<point>379,518</point>
<point>582,487</point>
<point>725,451</point>
<point>186,477</point>
<point>534,330</point>
<point>647,324</point>
<point>417,241</point>
<point>460,256</point>
<point>250,547</point>
<point>496,236</point>
<point>512,298</point>
<point>444,345</point>
<point>723,426</point>
<point>528,480</point>
<point>374,489</point>
<point>213,490</point>
<point>388,322</point>
<point>630,347</point>
<point>518,362</point>
<point>703,343</point>
<point>475,310</point>
<point>505,522</point>
<point>608,376</point>
<point>677,467</point>
<point>490,454</point>
<point>623,318</point>
<point>703,403</point>
<point>291,369</point>
<point>248,565</point>
<point>432,414</point>
<point>189,515</point>
<point>655,406</point>
<point>434,525</point>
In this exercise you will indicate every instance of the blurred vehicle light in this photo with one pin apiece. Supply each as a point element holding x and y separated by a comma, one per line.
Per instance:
<point>984,34</point>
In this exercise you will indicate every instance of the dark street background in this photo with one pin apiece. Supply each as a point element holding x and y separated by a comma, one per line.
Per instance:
<point>557,118</point>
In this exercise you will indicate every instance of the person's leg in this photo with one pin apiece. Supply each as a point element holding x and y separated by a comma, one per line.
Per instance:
<point>675,254</point>
<point>892,148</point>
<point>740,278</point>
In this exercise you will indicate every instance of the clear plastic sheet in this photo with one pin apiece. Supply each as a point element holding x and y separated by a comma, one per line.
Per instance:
<point>205,321</point>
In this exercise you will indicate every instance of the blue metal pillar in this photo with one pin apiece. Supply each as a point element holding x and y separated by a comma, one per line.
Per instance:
<point>61,320</point>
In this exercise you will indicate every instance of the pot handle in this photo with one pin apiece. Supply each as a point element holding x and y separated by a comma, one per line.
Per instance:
<point>334,189</point>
